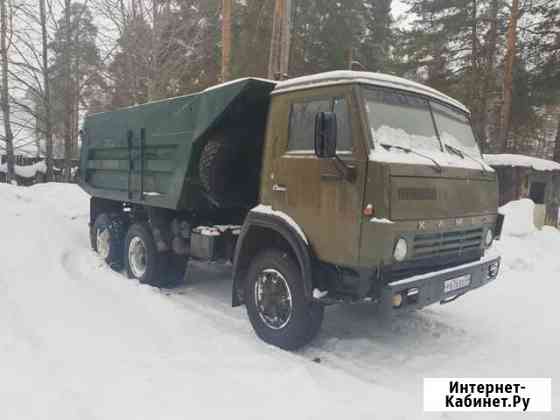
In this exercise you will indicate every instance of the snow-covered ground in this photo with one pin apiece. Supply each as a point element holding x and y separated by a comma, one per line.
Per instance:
<point>79,341</point>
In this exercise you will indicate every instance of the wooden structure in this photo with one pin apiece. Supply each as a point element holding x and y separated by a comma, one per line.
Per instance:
<point>521,176</point>
<point>29,172</point>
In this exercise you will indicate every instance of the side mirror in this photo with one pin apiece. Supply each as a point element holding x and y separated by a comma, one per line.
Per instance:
<point>325,135</point>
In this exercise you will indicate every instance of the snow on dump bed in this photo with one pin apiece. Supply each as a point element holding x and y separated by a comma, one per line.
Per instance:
<point>243,79</point>
<point>378,79</point>
<point>28,171</point>
<point>522,161</point>
<point>80,341</point>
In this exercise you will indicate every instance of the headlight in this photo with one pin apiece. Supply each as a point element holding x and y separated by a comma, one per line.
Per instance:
<point>489,238</point>
<point>401,249</point>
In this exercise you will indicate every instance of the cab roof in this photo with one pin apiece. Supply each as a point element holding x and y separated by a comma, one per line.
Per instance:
<point>375,79</point>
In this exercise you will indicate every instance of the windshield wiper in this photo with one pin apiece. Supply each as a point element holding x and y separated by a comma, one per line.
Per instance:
<point>437,167</point>
<point>462,154</point>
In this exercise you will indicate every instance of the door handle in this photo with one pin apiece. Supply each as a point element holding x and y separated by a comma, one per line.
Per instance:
<point>279,188</point>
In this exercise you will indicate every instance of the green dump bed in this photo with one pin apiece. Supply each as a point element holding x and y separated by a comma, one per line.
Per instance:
<point>148,154</point>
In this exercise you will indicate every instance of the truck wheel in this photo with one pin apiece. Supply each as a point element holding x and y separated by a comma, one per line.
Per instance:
<point>107,236</point>
<point>221,167</point>
<point>276,304</point>
<point>145,263</point>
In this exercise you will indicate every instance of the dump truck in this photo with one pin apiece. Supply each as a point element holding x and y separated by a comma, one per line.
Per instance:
<point>341,187</point>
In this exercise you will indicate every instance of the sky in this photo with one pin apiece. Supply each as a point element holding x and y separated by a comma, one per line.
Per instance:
<point>398,7</point>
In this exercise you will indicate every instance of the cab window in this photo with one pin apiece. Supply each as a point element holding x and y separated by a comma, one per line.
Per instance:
<point>402,120</point>
<point>302,123</point>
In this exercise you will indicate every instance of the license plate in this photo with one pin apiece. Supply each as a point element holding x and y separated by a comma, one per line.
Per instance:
<point>456,283</point>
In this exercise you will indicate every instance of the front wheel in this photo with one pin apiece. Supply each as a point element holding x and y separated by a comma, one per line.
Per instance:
<point>276,303</point>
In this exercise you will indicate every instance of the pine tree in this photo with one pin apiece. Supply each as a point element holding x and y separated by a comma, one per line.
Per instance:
<point>452,46</point>
<point>75,69</point>
<point>325,30</point>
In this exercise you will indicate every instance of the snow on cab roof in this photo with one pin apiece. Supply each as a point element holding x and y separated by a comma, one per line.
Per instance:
<point>522,161</point>
<point>377,79</point>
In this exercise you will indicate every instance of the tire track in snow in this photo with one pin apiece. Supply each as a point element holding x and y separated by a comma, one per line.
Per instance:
<point>374,354</point>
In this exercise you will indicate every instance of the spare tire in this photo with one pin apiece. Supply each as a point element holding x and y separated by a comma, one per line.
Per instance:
<point>224,169</point>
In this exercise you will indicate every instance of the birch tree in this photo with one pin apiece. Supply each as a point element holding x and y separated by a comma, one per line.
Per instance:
<point>5,40</point>
<point>46,88</point>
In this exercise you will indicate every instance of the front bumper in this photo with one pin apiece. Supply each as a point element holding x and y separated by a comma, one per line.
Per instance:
<point>426,289</point>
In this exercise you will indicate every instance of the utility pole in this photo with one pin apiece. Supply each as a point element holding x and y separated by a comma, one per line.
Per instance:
<point>226,40</point>
<point>509,61</point>
<point>279,60</point>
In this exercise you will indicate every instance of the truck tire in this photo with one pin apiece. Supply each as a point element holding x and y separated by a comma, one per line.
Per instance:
<point>222,169</point>
<point>144,263</point>
<point>107,235</point>
<point>276,304</point>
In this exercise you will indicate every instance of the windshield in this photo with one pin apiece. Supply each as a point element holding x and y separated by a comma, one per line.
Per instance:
<point>398,119</point>
<point>455,129</point>
<point>404,120</point>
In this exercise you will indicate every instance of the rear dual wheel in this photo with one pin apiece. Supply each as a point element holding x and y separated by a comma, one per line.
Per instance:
<point>136,250</point>
<point>145,263</point>
<point>106,236</point>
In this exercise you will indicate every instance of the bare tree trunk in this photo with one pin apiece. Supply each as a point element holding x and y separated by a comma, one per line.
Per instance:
<point>130,81</point>
<point>509,61</point>
<point>5,94</point>
<point>286,38</point>
<point>153,85</point>
<point>46,91</point>
<point>68,99</point>
<point>226,40</point>
<point>489,76</point>
<point>278,63</point>
<point>475,91</point>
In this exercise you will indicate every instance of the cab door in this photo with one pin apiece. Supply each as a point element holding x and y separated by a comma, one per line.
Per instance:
<point>314,191</point>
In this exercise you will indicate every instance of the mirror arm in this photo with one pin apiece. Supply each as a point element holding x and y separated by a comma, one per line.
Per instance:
<point>346,171</point>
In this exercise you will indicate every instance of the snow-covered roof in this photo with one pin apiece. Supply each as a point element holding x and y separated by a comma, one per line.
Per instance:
<point>522,161</point>
<point>29,171</point>
<point>377,79</point>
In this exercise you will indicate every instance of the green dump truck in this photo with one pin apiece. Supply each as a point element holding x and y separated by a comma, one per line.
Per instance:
<point>342,187</point>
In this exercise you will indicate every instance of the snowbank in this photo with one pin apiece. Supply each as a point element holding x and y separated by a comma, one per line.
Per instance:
<point>522,161</point>
<point>519,217</point>
<point>79,341</point>
<point>29,171</point>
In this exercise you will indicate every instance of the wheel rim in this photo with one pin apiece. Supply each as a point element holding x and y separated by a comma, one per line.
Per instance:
<point>103,242</point>
<point>137,257</point>
<point>273,299</point>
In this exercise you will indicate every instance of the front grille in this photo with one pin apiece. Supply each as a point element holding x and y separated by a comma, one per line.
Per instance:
<point>446,243</point>
<point>425,265</point>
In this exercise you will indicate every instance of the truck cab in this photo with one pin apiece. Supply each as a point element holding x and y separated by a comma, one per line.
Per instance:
<point>384,184</point>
